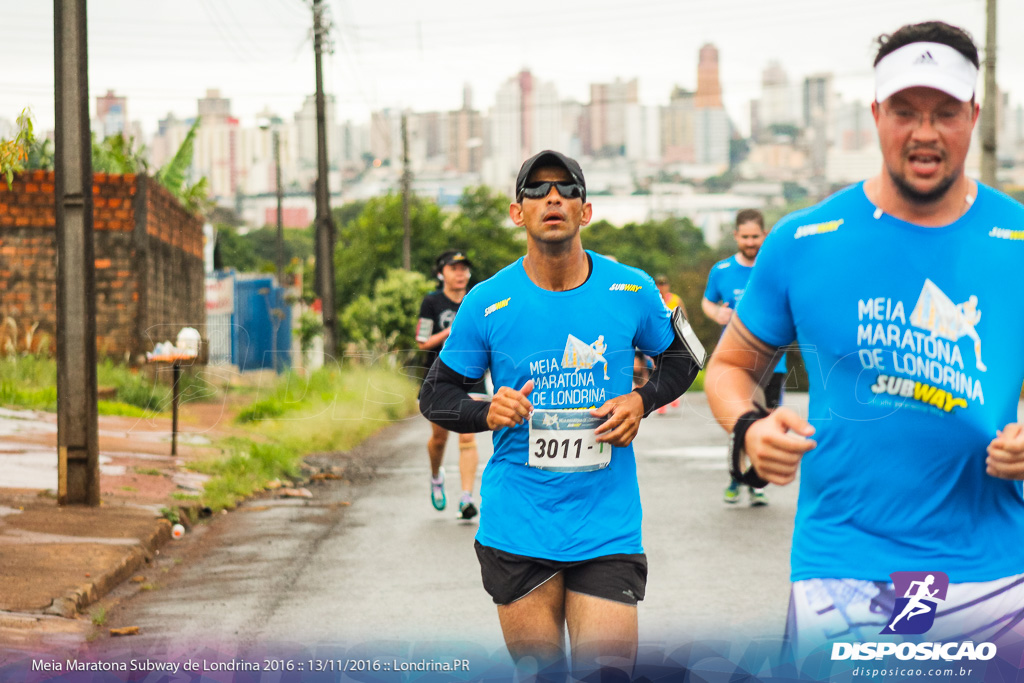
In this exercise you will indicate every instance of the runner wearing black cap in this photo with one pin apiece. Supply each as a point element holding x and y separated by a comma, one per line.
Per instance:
<point>559,541</point>
<point>436,315</point>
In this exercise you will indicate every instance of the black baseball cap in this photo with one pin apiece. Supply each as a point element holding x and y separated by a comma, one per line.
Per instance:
<point>450,257</point>
<point>547,158</point>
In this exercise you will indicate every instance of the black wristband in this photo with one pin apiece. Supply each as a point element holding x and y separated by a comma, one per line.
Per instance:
<point>737,450</point>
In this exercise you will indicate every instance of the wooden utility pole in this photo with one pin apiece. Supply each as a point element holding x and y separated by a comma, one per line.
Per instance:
<point>324,223</point>
<point>988,108</point>
<point>78,466</point>
<point>406,180</point>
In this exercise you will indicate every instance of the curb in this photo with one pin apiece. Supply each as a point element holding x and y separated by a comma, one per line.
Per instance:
<point>72,603</point>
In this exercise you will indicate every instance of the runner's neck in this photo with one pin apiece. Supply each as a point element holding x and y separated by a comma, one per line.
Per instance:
<point>557,272</point>
<point>882,192</point>
<point>744,261</point>
<point>456,295</point>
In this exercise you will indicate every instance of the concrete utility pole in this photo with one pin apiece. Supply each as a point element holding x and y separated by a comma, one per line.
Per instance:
<point>988,108</point>
<point>280,206</point>
<point>406,180</point>
<point>78,466</point>
<point>324,223</point>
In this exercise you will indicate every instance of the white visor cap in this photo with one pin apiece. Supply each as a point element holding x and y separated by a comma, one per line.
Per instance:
<point>929,65</point>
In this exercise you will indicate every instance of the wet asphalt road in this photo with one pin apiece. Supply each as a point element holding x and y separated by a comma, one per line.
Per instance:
<point>368,562</point>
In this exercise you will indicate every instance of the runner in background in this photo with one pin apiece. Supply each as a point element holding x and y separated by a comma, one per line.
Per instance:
<point>726,283</point>
<point>436,315</point>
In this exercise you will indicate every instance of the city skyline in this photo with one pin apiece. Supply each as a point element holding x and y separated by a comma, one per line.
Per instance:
<point>259,55</point>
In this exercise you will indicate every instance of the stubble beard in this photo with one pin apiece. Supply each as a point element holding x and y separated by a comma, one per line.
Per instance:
<point>915,196</point>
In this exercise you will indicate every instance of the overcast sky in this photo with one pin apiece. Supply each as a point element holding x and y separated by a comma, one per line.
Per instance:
<point>163,55</point>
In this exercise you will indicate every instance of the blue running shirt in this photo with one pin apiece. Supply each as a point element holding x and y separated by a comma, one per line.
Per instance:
<point>912,337</point>
<point>522,332</point>
<point>726,283</point>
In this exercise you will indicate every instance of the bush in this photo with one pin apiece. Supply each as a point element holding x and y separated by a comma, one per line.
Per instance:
<point>386,322</point>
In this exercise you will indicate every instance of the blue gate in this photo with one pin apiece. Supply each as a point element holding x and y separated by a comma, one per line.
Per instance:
<point>262,329</point>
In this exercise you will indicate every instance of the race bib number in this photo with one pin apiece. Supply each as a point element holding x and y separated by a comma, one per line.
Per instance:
<point>564,441</point>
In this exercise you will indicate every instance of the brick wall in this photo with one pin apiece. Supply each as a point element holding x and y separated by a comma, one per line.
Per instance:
<point>148,251</point>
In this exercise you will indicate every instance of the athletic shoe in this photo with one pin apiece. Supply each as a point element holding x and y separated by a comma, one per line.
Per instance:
<point>467,510</point>
<point>757,498</point>
<point>437,497</point>
<point>732,493</point>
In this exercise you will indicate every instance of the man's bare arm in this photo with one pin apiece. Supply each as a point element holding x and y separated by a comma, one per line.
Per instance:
<point>731,386</point>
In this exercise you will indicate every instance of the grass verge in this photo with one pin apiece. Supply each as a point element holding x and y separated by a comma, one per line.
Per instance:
<point>330,410</point>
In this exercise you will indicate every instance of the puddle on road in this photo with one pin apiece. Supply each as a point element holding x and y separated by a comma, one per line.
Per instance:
<point>36,468</point>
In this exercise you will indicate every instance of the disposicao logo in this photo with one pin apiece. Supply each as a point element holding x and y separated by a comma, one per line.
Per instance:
<point>914,613</point>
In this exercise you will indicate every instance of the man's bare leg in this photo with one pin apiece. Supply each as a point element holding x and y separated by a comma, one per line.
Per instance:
<point>603,635</point>
<point>435,448</point>
<point>469,459</point>
<point>534,630</point>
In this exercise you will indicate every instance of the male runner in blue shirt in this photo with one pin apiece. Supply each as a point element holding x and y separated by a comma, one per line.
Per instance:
<point>893,287</point>
<point>559,541</point>
<point>726,283</point>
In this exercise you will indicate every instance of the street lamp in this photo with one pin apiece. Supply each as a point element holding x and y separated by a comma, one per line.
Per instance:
<point>276,137</point>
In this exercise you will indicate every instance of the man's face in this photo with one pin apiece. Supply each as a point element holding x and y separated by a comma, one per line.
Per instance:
<point>456,275</point>
<point>924,136</point>
<point>749,238</point>
<point>552,219</point>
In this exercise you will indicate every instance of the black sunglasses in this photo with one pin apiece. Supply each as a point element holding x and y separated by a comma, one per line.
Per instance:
<point>539,190</point>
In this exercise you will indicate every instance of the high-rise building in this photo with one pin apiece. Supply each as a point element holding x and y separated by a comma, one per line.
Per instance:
<point>678,137</point>
<point>778,100</point>
<point>466,136</point>
<point>526,119</point>
<point>386,136</point>
<point>817,97</point>
<point>216,145</point>
<point>819,119</point>
<point>213,107</point>
<point>608,105</point>
<point>709,88</point>
<point>305,123</point>
<point>111,114</point>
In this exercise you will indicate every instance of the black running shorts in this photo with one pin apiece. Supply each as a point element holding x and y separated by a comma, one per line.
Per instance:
<point>508,577</point>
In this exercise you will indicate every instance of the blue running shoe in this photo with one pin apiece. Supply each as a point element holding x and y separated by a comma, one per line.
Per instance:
<point>437,497</point>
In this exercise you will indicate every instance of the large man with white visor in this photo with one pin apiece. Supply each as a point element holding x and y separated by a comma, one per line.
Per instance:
<point>910,459</point>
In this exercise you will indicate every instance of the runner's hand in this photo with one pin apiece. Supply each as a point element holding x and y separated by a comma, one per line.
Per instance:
<point>509,407</point>
<point>724,314</point>
<point>1006,453</point>
<point>624,414</point>
<point>774,452</point>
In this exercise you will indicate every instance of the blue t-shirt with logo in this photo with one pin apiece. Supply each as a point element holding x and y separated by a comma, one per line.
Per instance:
<point>560,340</point>
<point>912,338</point>
<point>726,283</point>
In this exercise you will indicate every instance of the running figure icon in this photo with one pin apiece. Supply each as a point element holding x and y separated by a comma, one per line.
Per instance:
<point>916,592</point>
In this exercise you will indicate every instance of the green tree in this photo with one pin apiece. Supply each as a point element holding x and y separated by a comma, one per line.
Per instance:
<point>298,244</point>
<point>173,175</point>
<point>665,247</point>
<point>118,155</point>
<point>234,250</point>
<point>14,152</point>
<point>385,320</point>
<point>370,244</point>
<point>40,155</point>
<point>481,229</point>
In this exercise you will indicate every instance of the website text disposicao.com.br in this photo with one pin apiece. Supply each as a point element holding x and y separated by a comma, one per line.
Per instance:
<point>906,672</point>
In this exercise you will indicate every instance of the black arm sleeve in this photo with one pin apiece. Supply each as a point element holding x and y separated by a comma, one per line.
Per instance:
<point>674,372</point>
<point>445,401</point>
